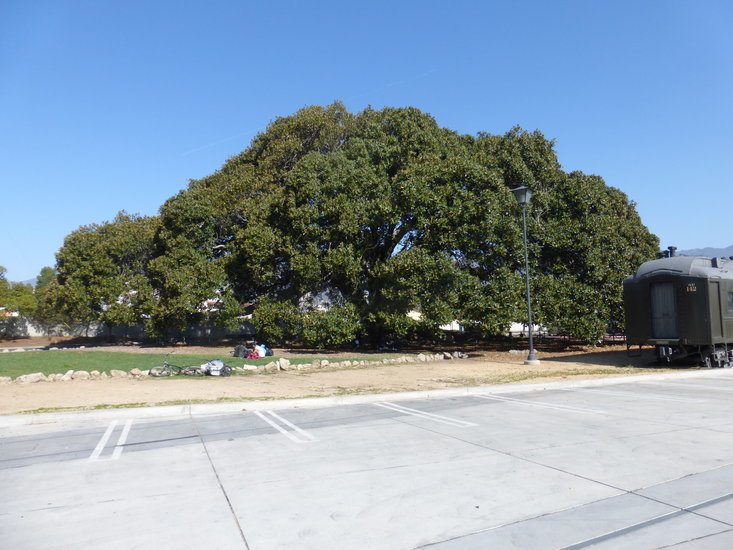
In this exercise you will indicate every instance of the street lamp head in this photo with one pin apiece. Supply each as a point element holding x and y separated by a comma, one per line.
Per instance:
<point>523,195</point>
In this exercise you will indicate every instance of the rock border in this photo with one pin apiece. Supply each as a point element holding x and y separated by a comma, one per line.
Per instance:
<point>281,364</point>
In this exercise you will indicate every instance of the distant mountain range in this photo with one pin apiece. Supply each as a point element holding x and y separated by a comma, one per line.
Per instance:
<point>710,252</point>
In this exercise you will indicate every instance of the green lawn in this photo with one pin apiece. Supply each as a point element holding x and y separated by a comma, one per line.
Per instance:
<point>59,361</point>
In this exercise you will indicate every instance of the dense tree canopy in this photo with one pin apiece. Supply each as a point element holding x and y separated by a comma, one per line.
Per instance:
<point>333,226</point>
<point>385,212</point>
<point>16,297</point>
<point>102,272</point>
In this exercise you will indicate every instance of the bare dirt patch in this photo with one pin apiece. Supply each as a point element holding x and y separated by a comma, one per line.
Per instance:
<point>479,368</point>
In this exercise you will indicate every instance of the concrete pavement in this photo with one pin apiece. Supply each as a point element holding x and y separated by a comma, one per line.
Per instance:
<point>643,463</point>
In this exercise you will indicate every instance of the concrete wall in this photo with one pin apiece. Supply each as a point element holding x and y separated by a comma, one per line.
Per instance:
<point>18,327</point>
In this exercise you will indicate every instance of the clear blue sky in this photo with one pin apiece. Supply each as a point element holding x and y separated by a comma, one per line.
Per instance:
<point>107,106</point>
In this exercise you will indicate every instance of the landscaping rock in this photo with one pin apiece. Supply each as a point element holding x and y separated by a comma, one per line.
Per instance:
<point>135,373</point>
<point>95,375</point>
<point>5,380</point>
<point>104,375</point>
<point>31,378</point>
<point>80,375</point>
<point>114,373</point>
<point>284,364</point>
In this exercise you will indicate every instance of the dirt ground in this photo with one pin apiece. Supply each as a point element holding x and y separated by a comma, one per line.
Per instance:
<point>479,368</point>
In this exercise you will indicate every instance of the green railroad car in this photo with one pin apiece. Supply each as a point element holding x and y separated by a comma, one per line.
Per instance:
<point>682,305</point>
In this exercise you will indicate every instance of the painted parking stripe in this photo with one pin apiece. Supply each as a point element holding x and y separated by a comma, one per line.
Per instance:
<point>292,426</point>
<point>541,404</point>
<point>640,395</point>
<point>121,441</point>
<point>306,437</point>
<point>426,415</point>
<point>102,442</point>
<point>689,386</point>
<point>119,446</point>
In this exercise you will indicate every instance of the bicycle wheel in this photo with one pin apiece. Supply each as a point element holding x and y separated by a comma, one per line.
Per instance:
<point>174,369</point>
<point>164,370</point>
<point>226,370</point>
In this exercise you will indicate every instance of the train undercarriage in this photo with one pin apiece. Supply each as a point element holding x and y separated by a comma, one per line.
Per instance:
<point>717,356</point>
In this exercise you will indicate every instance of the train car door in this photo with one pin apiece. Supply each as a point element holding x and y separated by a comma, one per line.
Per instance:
<point>664,310</point>
<point>716,320</point>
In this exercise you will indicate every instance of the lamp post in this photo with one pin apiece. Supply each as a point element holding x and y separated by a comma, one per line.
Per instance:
<point>523,194</point>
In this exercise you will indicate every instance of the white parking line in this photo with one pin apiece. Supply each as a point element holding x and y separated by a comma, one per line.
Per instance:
<point>426,415</point>
<point>688,386</point>
<point>293,437</point>
<point>105,437</point>
<point>102,442</point>
<point>121,441</point>
<point>638,395</point>
<point>541,404</point>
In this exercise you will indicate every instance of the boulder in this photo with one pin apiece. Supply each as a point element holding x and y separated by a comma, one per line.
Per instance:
<point>80,375</point>
<point>95,375</point>
<point>31,378</point>
<point>5,380</point>
<point>114,373</point>
<point>284,364</point>
<point>269,367</point>
<point>421,357</point>
<point>135,373</point>
<point>447,355</point>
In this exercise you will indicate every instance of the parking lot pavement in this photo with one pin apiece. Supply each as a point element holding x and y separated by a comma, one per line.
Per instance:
<point>641,464</point>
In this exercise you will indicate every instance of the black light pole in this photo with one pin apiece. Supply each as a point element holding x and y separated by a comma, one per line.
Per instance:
<point>523,195</point>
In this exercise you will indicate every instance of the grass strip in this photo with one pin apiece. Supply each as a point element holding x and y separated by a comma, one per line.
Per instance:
<point>15,364</point>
